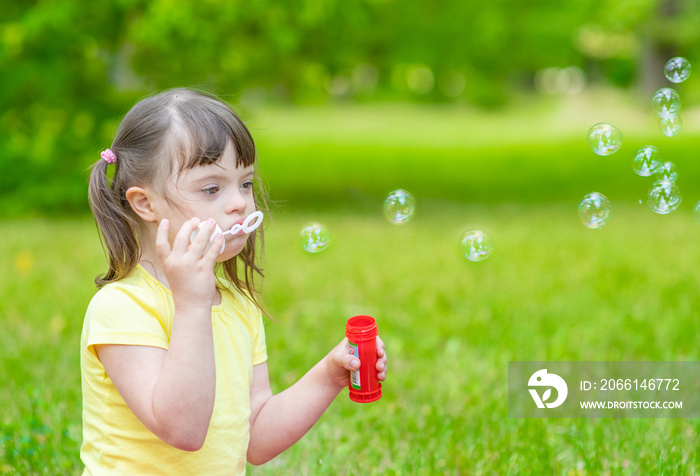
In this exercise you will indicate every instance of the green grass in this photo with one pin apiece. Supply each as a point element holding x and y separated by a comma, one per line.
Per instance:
<point>552,290</point>
<point>351,157</point>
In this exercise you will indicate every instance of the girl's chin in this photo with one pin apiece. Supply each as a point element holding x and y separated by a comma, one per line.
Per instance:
<point>231,250</point>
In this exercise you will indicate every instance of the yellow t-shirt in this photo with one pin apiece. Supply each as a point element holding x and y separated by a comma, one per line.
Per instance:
<point>138,310</point>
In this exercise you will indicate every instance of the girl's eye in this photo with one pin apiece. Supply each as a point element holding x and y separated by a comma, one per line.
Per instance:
<point>210,190</point>
<point>248,184</point>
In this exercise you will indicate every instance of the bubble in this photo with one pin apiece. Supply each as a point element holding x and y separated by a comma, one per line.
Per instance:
<point>604,138</point>
<point>666,102</point>
<point>399,207</point>
<point>314,238</point>
<point>696,212</point>
<point>476,245</point>
<point>594,210</point>
<point>664,197</point>
<point>677,69</point>
<point>671,125</point>
<point>646,160</point>
<point>667,172</point>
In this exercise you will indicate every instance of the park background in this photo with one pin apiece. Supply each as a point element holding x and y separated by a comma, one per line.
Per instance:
<point>479,109</point>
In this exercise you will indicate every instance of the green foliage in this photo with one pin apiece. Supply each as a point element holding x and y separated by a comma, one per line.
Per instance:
<point>71,69</point>
<point>55,99</point>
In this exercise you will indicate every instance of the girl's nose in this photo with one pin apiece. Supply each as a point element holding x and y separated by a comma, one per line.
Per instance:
<point>236,202</point>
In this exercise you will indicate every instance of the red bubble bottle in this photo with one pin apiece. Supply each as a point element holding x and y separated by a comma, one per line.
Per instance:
<point>361,332</point>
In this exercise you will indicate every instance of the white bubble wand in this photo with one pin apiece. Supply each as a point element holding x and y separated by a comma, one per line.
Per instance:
<point>251,222</point>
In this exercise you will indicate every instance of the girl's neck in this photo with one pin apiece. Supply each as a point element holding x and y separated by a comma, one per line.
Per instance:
<point>154,270</point>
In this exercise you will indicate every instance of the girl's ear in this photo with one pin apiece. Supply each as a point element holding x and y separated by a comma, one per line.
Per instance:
<point>140,201</point>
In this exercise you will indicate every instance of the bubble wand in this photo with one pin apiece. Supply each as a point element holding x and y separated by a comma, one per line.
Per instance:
<point>251,222</point>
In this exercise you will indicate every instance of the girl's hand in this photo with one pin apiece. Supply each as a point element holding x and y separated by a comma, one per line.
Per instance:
<point>189,268</point>
<point>340,363</point>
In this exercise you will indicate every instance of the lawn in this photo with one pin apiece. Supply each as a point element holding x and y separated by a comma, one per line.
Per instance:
<point>552,290</point>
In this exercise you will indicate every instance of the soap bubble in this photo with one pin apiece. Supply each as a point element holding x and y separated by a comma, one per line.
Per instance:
<point>399,207</point>
<point>671,125</point>
<point>594,210</point>
<point>696,212</point>
<point>476,245</point>
<point>646,160</point>
<point>677,69</point>
<point>314,238</point>
<point>604,138</point>
<point>664,197</point>
<point>667,172</point>
<point>666,102</point>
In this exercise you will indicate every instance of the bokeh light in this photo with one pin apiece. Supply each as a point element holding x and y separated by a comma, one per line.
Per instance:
<point>420,79</point>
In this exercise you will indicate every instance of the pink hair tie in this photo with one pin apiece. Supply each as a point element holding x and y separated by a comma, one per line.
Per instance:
<point>108,156</point>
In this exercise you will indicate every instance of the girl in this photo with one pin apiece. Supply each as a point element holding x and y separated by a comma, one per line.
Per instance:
<point>173,355</point>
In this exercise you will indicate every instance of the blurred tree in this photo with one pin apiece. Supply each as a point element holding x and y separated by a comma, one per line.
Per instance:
<point>631,40</point>
<point>55,98</point>
<point>68,68</point>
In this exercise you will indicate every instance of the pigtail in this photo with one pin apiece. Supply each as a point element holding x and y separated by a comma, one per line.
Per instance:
<point>115,222</point>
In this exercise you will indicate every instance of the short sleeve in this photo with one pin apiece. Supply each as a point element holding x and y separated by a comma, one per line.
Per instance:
<point>127,315</point>
<point>259,345</point>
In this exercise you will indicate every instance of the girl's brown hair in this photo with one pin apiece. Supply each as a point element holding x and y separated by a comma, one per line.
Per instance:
<point>180,128</point>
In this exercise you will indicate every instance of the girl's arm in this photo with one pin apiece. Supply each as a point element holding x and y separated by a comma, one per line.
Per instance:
<point>279,421</point>
<point>172,391</point>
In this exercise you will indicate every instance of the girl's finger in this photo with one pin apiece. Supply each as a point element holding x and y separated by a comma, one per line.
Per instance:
<point>382,360</point>
<point>343,358</point>
<point>350,363</point>
<point>380,347</point>
<point>204,238</point>
<point>215,249</point>
<point>381,365</point>
<point>182,239</point>
<point>162,242</point>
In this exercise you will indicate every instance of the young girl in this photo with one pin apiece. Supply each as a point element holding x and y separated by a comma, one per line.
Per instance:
<point>173,355</point>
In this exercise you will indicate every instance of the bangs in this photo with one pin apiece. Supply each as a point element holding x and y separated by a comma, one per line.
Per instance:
<point>202,128</point>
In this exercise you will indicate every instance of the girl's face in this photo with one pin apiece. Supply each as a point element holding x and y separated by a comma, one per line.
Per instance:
<point>220,191</point>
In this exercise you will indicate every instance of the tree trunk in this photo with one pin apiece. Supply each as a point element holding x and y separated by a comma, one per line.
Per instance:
<point>656,48</point>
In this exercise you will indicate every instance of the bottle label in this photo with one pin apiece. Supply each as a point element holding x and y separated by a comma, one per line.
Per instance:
<point>355,374</point>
